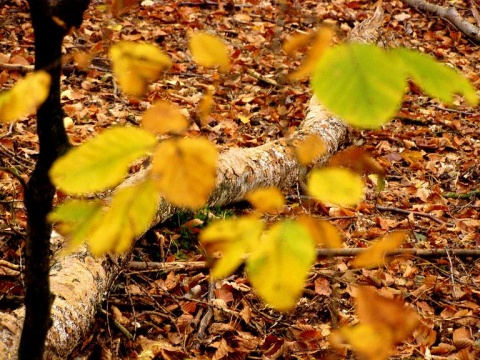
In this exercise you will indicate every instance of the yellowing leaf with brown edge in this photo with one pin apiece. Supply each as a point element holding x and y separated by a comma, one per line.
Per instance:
<point>267,200</point>
<point>232,239</point>
<point>323,232</point>
<point>136,64</point>
<point>102,162</point>
<point>375,255</point>
<point>278,265</point>
<point>129,215</point>
<point>309,149</point>
<point>319,45</point>
<point>184,171</point>
<point>164,117</point>
<point>25,96</point>
<point>369,341</point>
<point>210,51</point>
<point>338,186</point>
<point>392,315</point>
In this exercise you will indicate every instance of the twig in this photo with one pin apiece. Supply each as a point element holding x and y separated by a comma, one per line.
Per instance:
<point>451,275</point>
<point>475,13</point>
<point>468,195</point>
<point>9,132</point>
<point>167,266</point>
<point>422,253</point>
<point>15,175</point>
<point>207,318</point>
<point>9,265</point>
<point>16,67</point>
<point>119,326</point>
<point>259,77</point>
<point>408,212</point>
<point>341,252</point>
<point>449,14</point>
<point>453,110</point>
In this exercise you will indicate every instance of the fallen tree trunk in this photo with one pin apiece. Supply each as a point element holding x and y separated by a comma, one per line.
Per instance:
<point>80,281</point>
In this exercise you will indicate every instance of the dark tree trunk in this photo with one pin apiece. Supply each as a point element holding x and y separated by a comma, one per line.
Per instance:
<point>51,22</point>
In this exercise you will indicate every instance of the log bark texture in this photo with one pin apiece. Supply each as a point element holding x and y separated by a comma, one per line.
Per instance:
<point>80,282</point>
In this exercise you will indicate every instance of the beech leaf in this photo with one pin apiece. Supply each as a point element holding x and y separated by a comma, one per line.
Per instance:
<point>128,216</point>
<point>164,117</point>
<point>233,239</point>
<point>209,50</point>
<point>360,83</point>
<point>267,200</point>
<point>184,171</point>
<point>101,162</point>
<point>338,186</point>
<point>136,64</point>
<point>25,96</point>
<point>278,265</point>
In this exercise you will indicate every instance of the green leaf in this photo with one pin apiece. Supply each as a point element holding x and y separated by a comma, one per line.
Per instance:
<point>233,239</point>
<point>360,83</point>
<point>102,162</point>
<point>75,219</point>
<point>336,185</point>
<point>279,264</point>
<point>129,215</point>
<point>437,79</point>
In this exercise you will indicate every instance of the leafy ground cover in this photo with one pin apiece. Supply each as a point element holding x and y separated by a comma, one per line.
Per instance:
<point>430,154</point>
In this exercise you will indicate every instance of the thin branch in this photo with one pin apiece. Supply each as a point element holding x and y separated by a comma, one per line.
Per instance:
<point>9,265</point>
<point>468,195</point>
<point>449,14</point>
<point>15,175</point>
<point>342,252</point>
<point>408,212</point>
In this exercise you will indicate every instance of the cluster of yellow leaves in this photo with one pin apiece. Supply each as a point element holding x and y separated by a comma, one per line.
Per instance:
<point>183,170</point>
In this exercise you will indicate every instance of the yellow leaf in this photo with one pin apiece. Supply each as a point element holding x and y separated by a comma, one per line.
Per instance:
<point>75,219</point>
<point>390,314</point>
<point>209,51</point>
<point>82,59</point>
<point>25,97</point>
<point>129,215</point>
<point>297,41</point>
<point>184,171</point>
<point>267,200</point>
<point>336,185</point>
<point>369,341</point>
<point>136,64</point>
<point>233,239</point>
<point>101,162</point>
<point>320,44</point>
<point>323,232</point>
<point>309,149</point>
<point>164,117</point>
<point>278,265</point>
<point>375,256</point>
<point>205,107</point>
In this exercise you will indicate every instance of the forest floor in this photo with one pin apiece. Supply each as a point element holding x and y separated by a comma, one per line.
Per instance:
<point>430,155</point>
